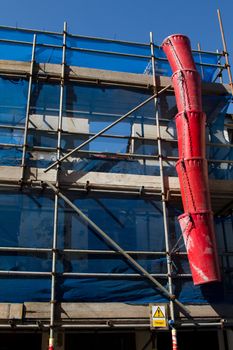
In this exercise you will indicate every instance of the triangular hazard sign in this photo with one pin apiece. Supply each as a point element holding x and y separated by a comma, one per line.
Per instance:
<point>158,313</point>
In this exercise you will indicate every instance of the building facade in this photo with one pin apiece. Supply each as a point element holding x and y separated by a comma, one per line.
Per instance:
<point>89,243</point>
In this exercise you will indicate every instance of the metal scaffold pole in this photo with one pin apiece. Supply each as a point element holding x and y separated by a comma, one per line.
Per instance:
<point>199,51</point>
<point>25,137</point>
<point>163,196</point>
<point>219,73</point>
<point>55,224</point>
<point>225,52</point>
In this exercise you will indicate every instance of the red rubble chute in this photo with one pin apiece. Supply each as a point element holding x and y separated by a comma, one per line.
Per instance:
<point>197,221</point>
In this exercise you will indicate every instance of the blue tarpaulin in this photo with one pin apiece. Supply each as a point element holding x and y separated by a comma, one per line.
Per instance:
<point>99,107</point>
<point>135,224</point>
<point>100,53</point>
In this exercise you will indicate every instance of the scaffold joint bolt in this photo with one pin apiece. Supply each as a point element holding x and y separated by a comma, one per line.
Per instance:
<point>141,189</point>
<point>171,323</point>
<point>110,323</point>
<point>12,323</point>
<point>55,250</point>
<point>53,302</point>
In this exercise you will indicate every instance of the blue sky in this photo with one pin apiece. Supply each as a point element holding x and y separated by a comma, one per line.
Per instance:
<point>127,19</point>
<point>124,19</point>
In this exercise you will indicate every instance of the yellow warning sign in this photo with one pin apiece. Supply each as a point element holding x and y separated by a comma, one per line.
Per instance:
<point>158,313</point>
<point>158,316</point>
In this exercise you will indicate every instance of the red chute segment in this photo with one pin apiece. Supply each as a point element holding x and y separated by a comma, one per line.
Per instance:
<point>193,176</point>
<point>189,125</point>
<point>200,243</point>
<point>197,221</point>
<point>187,86</point>
<point>178,51</point>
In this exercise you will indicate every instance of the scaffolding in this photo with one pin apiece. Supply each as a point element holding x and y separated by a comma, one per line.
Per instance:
<point>154,88</point>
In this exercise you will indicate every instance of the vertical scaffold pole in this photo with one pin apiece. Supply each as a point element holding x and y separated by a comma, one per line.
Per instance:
<point>225,52</point>
<point>199,50</point>
<point>25,137</point>
<point>55,224</point>
<point>163,195</point>
<point>220,72</point>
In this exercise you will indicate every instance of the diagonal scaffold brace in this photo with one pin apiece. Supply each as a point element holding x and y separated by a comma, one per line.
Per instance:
<point>131,261</point>
<point>59,161</point>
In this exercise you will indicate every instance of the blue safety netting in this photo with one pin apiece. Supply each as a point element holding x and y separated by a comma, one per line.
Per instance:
<point>135,224</point>
<point>16,44</point>
<point>202,60</point>
<point>220,135</point>
<point>89,109</point>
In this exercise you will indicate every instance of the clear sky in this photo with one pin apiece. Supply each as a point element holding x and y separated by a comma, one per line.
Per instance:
<point>126,19</point>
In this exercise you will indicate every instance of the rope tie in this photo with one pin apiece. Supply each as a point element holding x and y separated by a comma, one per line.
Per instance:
<point>181,84</point>
<point>189,133</point>
<point>183,170</point>
<point>183,179</point>
<point>187,93</point>
<point>178,62</point>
